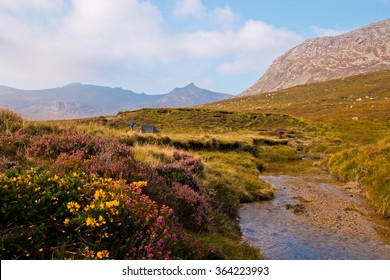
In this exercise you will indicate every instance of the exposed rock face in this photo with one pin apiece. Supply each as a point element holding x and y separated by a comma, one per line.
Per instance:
<point>361,51</point>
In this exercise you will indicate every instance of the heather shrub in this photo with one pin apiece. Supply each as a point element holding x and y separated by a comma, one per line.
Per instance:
<point>177,173</point>
<point>75,216</point>
<point>184,171</point>
<point>94,155</point>
<point>190,207</point>
<point>50,146</point>
<point>178,187</point>
<point>192,164</point>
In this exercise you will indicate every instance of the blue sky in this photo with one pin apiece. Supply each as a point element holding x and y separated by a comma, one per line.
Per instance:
<point>157,45</point>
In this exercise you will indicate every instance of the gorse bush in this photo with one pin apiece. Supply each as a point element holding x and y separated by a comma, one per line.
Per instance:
<point>81,217</point>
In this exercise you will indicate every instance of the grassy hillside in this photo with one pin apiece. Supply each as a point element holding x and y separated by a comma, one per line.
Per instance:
<point>347,97</point>
<point>357,107</point>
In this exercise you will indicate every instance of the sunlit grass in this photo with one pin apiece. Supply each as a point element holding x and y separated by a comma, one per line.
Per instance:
<point>370,166</point>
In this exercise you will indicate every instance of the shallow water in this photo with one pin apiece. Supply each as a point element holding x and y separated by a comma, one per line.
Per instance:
<point>297,224</point>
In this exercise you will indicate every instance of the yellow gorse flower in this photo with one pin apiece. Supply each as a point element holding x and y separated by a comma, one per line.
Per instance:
<point>112,203</point>
<point>100,194</point>
<point>90,222</point>
<point>73,206</point>
<point>103,254</point>
<point>140,184</point>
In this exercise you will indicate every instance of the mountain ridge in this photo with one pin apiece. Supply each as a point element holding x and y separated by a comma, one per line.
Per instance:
<point>360,51</point>
<point>77,100</point>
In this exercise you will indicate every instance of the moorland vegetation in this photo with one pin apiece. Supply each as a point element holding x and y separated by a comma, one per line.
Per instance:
<point>94,189</point>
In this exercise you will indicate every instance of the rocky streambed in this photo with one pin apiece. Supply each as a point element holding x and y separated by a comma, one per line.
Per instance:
<point>314,216</point>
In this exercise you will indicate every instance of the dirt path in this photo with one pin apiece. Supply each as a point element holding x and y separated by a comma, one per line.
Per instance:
<point>315,217</point>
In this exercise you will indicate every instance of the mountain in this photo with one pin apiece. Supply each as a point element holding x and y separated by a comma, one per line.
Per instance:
<point>189,95</point>
<point>79,101</point>
<point>364,50</point>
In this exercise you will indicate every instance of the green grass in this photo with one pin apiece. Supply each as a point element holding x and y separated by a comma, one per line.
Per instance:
<point>239,173</point>
<point>370,166</point>
<point>203,121</point>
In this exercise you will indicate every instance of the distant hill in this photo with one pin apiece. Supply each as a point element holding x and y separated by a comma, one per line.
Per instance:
<point>79,101</point>
<point>364,50</point>
<point>189,95</point>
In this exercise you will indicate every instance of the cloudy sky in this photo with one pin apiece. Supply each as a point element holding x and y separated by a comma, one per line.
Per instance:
<point>154,46</point>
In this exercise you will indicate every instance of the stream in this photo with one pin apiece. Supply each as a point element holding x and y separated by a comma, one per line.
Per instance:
<point>314,217</point>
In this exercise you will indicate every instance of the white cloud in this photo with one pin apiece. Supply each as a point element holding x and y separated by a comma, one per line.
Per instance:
<point>253,36</point>
<point>19,6</point>
<point>186,8</point>
<point>327,31</point>
<point>95,37</point>
<point>223,17</point>
<point>122,42</point>
<point>257,45</point>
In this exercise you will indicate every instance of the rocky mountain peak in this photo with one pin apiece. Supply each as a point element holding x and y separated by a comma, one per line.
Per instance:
<point>364,50</point>
<point>190,85</point>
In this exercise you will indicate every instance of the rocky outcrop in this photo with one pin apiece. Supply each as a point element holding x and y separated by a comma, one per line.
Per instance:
<point>361,51</point>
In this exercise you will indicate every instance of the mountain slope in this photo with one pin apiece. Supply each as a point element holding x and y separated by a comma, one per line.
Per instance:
<point>365,96</point>
<point>364,50</point>
<point>78,100</point>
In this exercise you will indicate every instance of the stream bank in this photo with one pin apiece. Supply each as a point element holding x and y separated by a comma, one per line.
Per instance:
<point>313,216</point>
